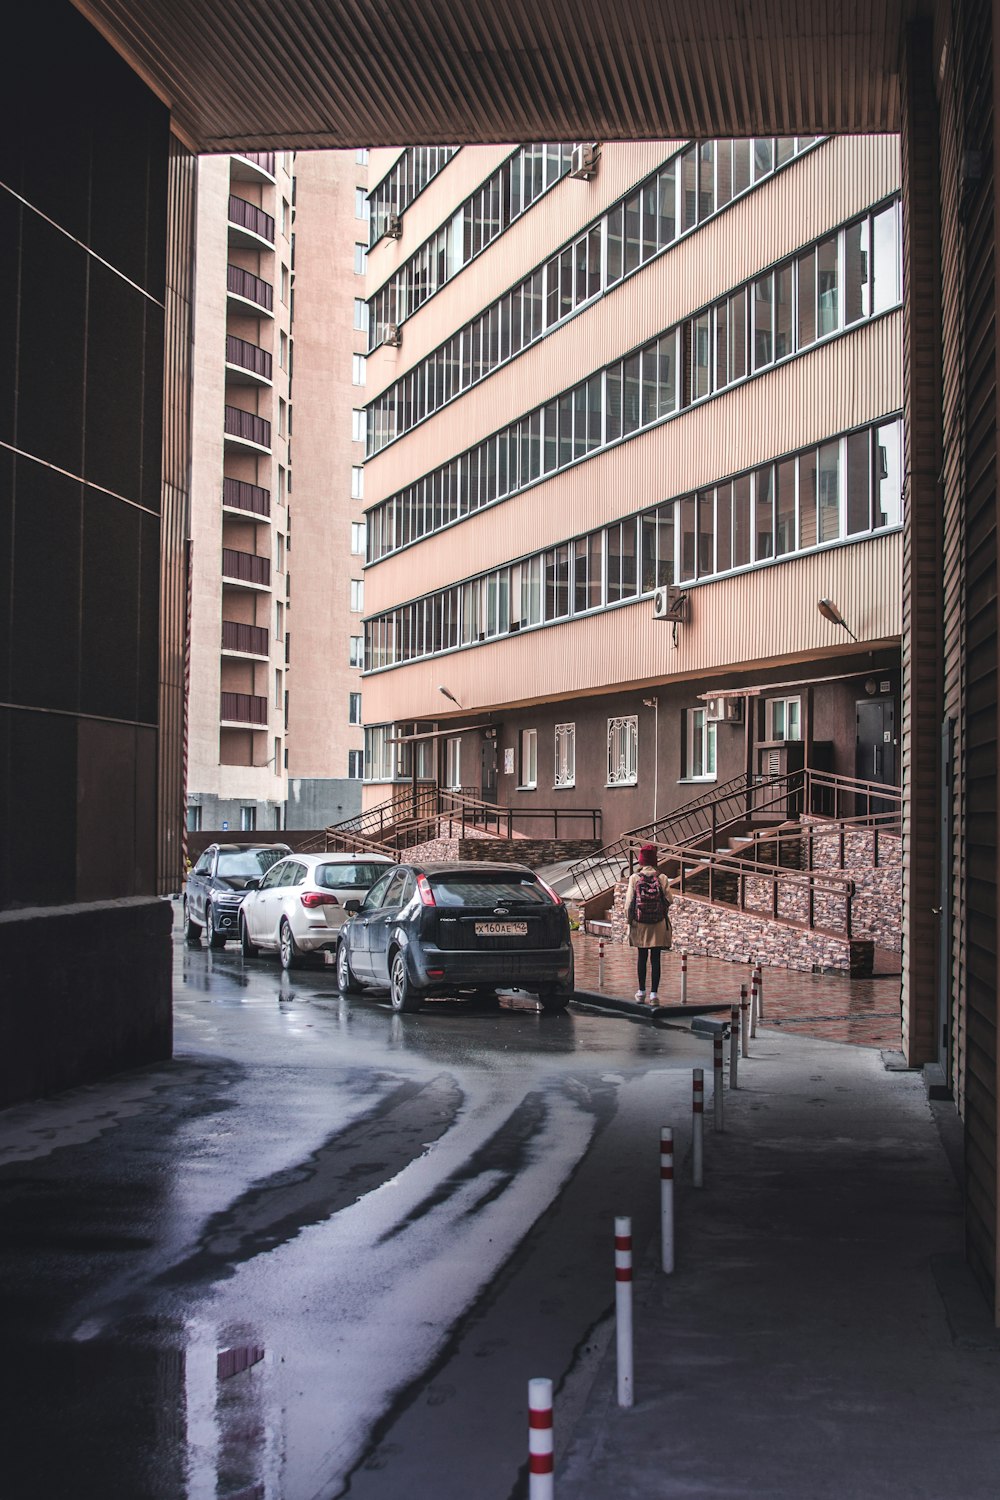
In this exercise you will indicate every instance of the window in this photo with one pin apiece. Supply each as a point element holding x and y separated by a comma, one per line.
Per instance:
<point>194,818</point>
<point>565,755</point>
<point>277,689</point>
<point>699,746</point>
<point>357,594</point>
<point>453,764</point>
<point>379,754</point>
<point>623,751</point>
<point>357,651</point>
<point>357,482</point>
<point>361,156</point>
<point>784,718</point>
<point>284,285</point>
<point>361,209</point>
<point>528,769</point>
<point>360,266</point>
<point>354,708</point>
<point>361,314</point>
<point>355,764</point>
<point>248,819</point>
<point>358,537</point>
<point>358,425</point>
<point>358,369</point>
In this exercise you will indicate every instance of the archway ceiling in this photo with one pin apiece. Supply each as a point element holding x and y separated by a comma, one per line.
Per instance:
<point>258,74</point>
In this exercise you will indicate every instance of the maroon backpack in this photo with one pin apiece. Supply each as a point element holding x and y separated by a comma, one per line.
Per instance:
<point>649,904</point>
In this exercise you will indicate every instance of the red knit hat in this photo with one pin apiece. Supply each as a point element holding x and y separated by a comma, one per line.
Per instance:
<point>648,854</point>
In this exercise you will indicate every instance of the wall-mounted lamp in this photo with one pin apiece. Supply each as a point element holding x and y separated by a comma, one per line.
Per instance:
<point>450,696</point>
<point>830,612</point>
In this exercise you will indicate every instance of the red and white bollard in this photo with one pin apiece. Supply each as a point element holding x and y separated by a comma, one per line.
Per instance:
<point>754,1005</point>
<point>600,963</point>
<point>541,1462</point>
<point>734,1045</point>
<point>744,1021</point>
<point>623,1308</point>
<point>718,1098</point>
<point>684,979</point>
<point>698,1127</point>
<point>667,1199</point>
<point>758,975</point>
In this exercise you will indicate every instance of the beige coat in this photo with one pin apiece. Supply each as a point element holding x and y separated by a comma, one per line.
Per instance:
<point>649,934</point>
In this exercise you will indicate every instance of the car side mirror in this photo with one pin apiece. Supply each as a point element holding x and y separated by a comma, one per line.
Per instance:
<point>253,884</point>
<point>351,906</point>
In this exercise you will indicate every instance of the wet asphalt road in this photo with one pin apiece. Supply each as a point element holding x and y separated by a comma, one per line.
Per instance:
<point>321,1253</point>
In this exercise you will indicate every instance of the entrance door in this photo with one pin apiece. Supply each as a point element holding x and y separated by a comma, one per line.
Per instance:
<point>875,747</point>
<point>488,769</point>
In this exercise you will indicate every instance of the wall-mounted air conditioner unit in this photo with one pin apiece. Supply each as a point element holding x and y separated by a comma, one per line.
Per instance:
<point>670,603</point>
<point>583,163</point>
<point>724,710</point>
<point>393,335</point>
<point>394,227</point>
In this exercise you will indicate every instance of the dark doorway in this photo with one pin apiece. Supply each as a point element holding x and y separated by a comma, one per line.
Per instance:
<point>488,769</point>
<point>875,745</point>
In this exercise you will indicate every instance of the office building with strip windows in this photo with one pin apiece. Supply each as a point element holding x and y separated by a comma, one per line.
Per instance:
<point>634,411</point>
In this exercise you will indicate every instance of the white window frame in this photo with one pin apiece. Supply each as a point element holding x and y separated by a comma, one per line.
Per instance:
<point>354,708</point>
<point>778,716</point>
<point>528,752</point>
<point>565,755</point>
<point>356,657</point>
<point>357,595</point>
<point>358,369</point>
<point>248,818</point>
<point>623,750</point>
<point>699,746</point>
<point>361,314</point>
<point>358,424</point>
<point>358,538</point>
<point>357,481</point>
<point>360,260</point>
<point>355,765</point>
<point>453,763</point>
<point>362,208</point>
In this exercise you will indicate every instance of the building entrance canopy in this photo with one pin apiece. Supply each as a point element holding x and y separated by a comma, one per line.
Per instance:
<point>303,74</point>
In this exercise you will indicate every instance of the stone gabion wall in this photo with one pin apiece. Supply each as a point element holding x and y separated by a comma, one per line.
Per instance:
<point>877,910</point>
<point>722,932</point>
<point>477,845</point>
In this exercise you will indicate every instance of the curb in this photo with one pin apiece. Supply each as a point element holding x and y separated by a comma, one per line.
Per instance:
<point>624,1007</point>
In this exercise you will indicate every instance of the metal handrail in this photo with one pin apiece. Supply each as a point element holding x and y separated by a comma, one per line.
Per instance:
<point>691,865</point>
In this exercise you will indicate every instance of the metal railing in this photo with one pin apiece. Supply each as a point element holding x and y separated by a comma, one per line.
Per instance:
<point>244,708</point>
<point>253,288</point>
<point>253,639</point>
<point>248,356</point>
<point>806,899</point>
<point>240,494</point>
<point>247,425</point>
<point>249,216</point>
<point>262,159</point>
<point>245,566</point>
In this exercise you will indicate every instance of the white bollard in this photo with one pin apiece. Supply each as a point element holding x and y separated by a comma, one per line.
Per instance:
<point>541,1484</point>
<point>718,1098</point>
<point>754,999</point>
<point>759,976</point>
<point>698,1128</point>
<point>744,1021</point>
<point>667,1199</point>
<point>623,1308</point>
<point>734,1045</point>
<point>684,979</point>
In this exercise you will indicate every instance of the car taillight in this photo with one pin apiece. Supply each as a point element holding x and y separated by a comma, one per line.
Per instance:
<point>318,898</point>
<point>554,894</point>
<point>424,888</point>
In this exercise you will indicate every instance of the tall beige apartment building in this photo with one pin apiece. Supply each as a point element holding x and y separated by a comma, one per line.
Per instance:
<point>634,411</point>
<point>274,712</point>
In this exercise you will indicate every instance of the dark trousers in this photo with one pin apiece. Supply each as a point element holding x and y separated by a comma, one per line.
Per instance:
<point>654,967</point>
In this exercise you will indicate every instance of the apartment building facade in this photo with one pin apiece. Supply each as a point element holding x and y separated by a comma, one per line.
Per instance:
<point>274,716</point>
<point>665,380</point>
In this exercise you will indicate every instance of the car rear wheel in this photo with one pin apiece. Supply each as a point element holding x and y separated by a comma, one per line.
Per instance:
<point>345,974</point>
<point>192,930</point>
<point>248,949</point>
<point>553,999</point>
<point>215,939</point>
<point>288,948</point>
<point>404,997</point>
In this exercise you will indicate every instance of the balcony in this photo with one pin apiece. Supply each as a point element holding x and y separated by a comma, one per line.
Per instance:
<point>245,640</point>
<point>253,166</point>
<point>249,225</point>
<point>246,569</point>
<point>243,710</point>
<point>244,429</point>
<point>244,287</point>
<point>246,363</point>
<point>248,499</point>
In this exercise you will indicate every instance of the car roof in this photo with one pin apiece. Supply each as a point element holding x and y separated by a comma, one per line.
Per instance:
<point>468,867</point>
<point>340,858</point>
<point>243,848</point>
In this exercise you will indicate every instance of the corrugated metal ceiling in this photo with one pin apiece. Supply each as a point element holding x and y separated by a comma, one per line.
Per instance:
<point>255,74</point>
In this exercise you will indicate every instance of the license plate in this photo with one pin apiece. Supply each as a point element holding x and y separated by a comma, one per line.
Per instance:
<point>501,929</point>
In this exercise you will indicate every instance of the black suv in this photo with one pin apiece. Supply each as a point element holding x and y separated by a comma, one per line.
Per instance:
<point>217,885</point>
<point>458,929</point>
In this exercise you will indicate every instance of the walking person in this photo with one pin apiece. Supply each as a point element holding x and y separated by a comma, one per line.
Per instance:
<point>647,907</point>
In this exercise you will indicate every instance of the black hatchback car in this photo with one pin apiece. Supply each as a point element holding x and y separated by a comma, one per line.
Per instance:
<point>218,884</point>
<point>458,929</point>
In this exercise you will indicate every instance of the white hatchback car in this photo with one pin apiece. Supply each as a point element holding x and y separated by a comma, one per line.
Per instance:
<point>298,907</point>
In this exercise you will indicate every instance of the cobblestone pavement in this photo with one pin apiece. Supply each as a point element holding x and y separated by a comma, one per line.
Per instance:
<point>864,1012</point>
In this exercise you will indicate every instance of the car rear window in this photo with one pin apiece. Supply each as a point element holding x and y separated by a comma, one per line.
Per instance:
<point>354,877</point>
<point>455,888</point>
<point>248,862</point>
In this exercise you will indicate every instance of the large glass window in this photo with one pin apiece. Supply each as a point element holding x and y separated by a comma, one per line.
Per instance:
<point>528,772</point>
<point>699,746</point>
<point>623,751</point>
<point>565,755</point>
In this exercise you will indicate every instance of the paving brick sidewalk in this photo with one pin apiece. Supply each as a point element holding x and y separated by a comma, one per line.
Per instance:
<point>864,1012</point>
